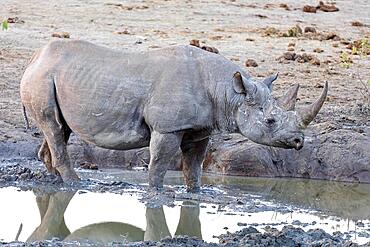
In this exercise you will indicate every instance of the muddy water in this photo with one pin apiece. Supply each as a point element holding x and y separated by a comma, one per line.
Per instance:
<point>106,217</point>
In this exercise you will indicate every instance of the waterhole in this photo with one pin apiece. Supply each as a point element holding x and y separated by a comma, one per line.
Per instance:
<point>82,215</point>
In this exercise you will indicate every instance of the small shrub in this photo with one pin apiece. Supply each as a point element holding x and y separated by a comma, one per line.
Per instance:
<point>345,60</point>
<point>4,25</point>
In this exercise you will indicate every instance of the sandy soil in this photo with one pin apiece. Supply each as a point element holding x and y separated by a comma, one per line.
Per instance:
<point>240,30</point>
<point>236,28</point>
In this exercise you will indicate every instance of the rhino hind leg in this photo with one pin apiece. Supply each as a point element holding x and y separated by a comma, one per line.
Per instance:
<point>56,134</point>
<point>192,157</point>
<point>162,148</point>
<point>45,156</point>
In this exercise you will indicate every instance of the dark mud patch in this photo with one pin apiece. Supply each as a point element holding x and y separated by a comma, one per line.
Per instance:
<point>28,179</point>
<point>289,236</point>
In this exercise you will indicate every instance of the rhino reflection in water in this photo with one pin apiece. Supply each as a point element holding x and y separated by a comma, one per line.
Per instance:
<point>53,206</point>
<point>166,99</point>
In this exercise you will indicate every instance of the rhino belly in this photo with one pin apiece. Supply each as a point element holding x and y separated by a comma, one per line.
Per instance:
<point>106,118</point>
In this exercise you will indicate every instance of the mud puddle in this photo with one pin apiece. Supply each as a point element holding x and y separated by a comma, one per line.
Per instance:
<point>225,204</point>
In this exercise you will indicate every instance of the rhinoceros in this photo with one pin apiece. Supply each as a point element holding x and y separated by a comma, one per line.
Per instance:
<point>168,98</point>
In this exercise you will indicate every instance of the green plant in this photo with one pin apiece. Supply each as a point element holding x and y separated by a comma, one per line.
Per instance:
<point>345,59</point>
<point>4,25</point>
<point>361,47</point>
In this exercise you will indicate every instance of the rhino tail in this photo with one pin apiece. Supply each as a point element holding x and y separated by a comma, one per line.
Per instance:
<point>27,123</point>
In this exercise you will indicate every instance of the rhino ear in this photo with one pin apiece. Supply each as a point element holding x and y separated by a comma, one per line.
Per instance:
<point>238,83</point>
<point>243,86</point>
<point>269,80</point>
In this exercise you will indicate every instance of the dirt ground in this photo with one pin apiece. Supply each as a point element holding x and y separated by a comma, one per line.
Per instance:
<point>240,30</point>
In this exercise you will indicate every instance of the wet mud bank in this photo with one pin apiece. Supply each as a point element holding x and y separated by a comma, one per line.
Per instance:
<point>329,153</point>
<point>338,155</point>
<point>248,237</point>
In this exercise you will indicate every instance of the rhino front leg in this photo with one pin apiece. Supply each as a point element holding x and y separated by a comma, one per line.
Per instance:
<point>162,148</point>
<point>156,225</point>
<point>193,155</point>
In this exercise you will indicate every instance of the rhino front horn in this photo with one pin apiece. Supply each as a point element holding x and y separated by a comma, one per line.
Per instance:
<point>308,113</point>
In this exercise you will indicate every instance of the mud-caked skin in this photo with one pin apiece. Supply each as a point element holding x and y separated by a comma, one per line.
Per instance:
<point>170,99</point>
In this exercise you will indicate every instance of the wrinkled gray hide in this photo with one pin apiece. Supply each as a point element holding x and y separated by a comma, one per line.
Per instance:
<point>168,99</point>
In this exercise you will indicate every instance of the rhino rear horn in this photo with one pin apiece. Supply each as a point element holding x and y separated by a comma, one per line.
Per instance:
<point>269,80</point>
<point>288,100</point>
<point>308,113</point>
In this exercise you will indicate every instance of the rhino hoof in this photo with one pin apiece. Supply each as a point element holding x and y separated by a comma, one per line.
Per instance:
<point>70,177</point>
<point>193,189</point>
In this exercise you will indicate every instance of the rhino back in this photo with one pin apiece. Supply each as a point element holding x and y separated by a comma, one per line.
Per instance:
<point>108,97</point>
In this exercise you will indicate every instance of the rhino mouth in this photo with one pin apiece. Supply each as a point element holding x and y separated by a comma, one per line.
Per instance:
<point>296,143</point>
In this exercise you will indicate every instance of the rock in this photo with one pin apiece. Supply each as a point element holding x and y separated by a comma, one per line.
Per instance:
<point>340,155</point>
<point>288,236</point>
<point>309,9</point>
<point>360,224</point>
<point>296,222</point>
<point>318,50</point>
<point>284,6</point>
<point>315,61</point>
<point>251,63</point>
<point>261,16</point>
<point>331,35</point>
<point>196,43</point>
<point>304,58</point>
<point>63,35</point>
<point>270,31</point>
<point>309,30</point>
<point>89,166</point>
<point>290,56</point>
<point>15,20</point>
<point>357,24</point>
<point>326,7</point>
<point>345,42</point>
<point>293,32</point>
<point>210,49</point>
<point>122,32</point>
<point>322,6</point>
<point>364,234</point>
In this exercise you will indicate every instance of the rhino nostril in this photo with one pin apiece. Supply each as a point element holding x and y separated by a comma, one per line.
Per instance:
<point>297,141</point>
